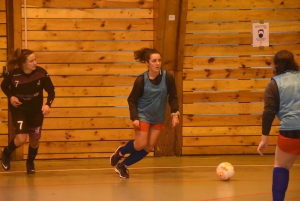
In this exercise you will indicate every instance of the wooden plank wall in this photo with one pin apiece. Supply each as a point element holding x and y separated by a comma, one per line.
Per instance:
<point>87,48</point>
<point>225,77</point>
<point>3,56</point>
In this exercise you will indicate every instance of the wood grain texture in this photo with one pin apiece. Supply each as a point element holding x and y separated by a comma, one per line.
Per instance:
<point>224,120</point>
<point>95,69</point>
<point>92,81</point>
<point>240,73</point>
<point>87,135</point>
<point>232,50</point>
<point>88,35</point>
<point>231,27</point>
<point>220,62</point>
<point>223,150</point>
<point>226,140</point>
<point>230,4</point>
<point>226,131</point>
<point>84,57</point>
<point>91,91</point>
<point>44,13</point>
<point>88,24</point>
<point>87,123</point>
<point>238,38</point>
<point>227,109</point>
<point>91,3</point>
<point>2,17</point>
<point>88,46</point>
<point>210,96</point>
<point>221,85</point>
<point>243,15</point>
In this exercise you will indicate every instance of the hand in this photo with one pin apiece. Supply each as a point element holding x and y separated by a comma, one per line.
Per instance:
<point>175,121</point>
<point>15,101</point>
<point>46,109</point>
<point>262,147</point>
<point>136,123</point>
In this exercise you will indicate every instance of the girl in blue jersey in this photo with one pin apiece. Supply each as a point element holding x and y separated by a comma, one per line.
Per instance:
<point>282,98</point>
<point>147,105</point>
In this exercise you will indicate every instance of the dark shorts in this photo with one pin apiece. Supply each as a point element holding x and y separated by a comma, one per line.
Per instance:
<point>26,121</point>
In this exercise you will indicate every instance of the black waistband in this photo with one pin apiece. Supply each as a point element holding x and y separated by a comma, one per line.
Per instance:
<point>291,134</point>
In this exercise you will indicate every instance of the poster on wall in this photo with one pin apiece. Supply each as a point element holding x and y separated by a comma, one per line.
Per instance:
<point>260,34</point>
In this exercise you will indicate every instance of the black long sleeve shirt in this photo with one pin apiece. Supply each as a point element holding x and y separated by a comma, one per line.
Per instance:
<point>28,88</point>
<point>138,91</point>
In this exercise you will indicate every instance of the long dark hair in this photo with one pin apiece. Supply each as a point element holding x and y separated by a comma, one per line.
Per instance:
<point>18,58</point>
<point>284,61</point>
<point>143,55</point>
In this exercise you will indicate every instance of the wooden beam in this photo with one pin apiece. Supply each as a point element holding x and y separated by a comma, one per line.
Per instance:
<point>14,41</point>
<point>179,71</point>
<point>166,20</point>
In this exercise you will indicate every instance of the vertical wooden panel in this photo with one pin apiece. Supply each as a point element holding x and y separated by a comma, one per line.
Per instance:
<point>179,72</point>
<point>3,50</point>
<point>168,47</point>
<point>14,40</point>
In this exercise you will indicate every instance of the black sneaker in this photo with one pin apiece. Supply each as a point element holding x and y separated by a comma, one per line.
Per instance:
<point>122,170</point>
<point>30,167</point>
<point>115,157</point>
<point>5,161</point>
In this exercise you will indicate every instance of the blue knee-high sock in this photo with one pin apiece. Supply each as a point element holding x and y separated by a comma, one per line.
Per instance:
<point>128,148</point>
<point>280,183</point>
<point>134,157</point>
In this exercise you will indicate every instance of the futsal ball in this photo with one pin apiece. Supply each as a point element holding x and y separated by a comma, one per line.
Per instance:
<point>225,171</point>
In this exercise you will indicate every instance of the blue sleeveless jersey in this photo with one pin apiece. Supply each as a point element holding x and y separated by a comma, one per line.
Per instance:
<point>152,105</point>
<point>289,94</point>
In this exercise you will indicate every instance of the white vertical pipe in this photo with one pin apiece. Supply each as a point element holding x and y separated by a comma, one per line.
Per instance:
<point>25,24</point>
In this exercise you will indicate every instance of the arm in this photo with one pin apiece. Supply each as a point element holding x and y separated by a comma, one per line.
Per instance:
<point>49,88</point>
<point>5,86</point>
<point>271,107</point>
<point>137,91</point>
<point>173,99</point>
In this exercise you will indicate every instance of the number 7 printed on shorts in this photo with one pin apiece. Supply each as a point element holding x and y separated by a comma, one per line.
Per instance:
<point>21,123</point>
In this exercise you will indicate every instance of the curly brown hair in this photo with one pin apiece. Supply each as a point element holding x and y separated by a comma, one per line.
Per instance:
<point>18,58</point>
<point>143,55</point>
<point>284,61</point>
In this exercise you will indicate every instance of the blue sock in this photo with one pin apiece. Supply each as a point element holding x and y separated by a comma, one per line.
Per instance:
<point>280,183</point>
<point>128,148</point>
<point>135,157</point>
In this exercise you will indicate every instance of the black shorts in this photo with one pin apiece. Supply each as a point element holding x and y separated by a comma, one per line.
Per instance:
<point>23,120</point>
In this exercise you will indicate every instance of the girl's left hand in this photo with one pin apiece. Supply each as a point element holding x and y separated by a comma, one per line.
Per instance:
<point>46,109</point>
<point>175,121</point>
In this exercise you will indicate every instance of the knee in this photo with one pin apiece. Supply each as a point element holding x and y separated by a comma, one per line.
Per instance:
<point>20,139</point>
<point>140,145</point>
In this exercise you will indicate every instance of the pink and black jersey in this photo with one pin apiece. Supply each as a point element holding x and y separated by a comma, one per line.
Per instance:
<point>28,88</point>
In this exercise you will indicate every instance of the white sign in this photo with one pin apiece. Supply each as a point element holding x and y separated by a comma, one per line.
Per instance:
<point>260,34</point>
<point>171,17</point>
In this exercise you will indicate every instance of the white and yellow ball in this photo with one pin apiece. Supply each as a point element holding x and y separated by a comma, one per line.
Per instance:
<point>225,171</point>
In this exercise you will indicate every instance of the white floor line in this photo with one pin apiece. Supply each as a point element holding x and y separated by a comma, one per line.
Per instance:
<point>137,168</point>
